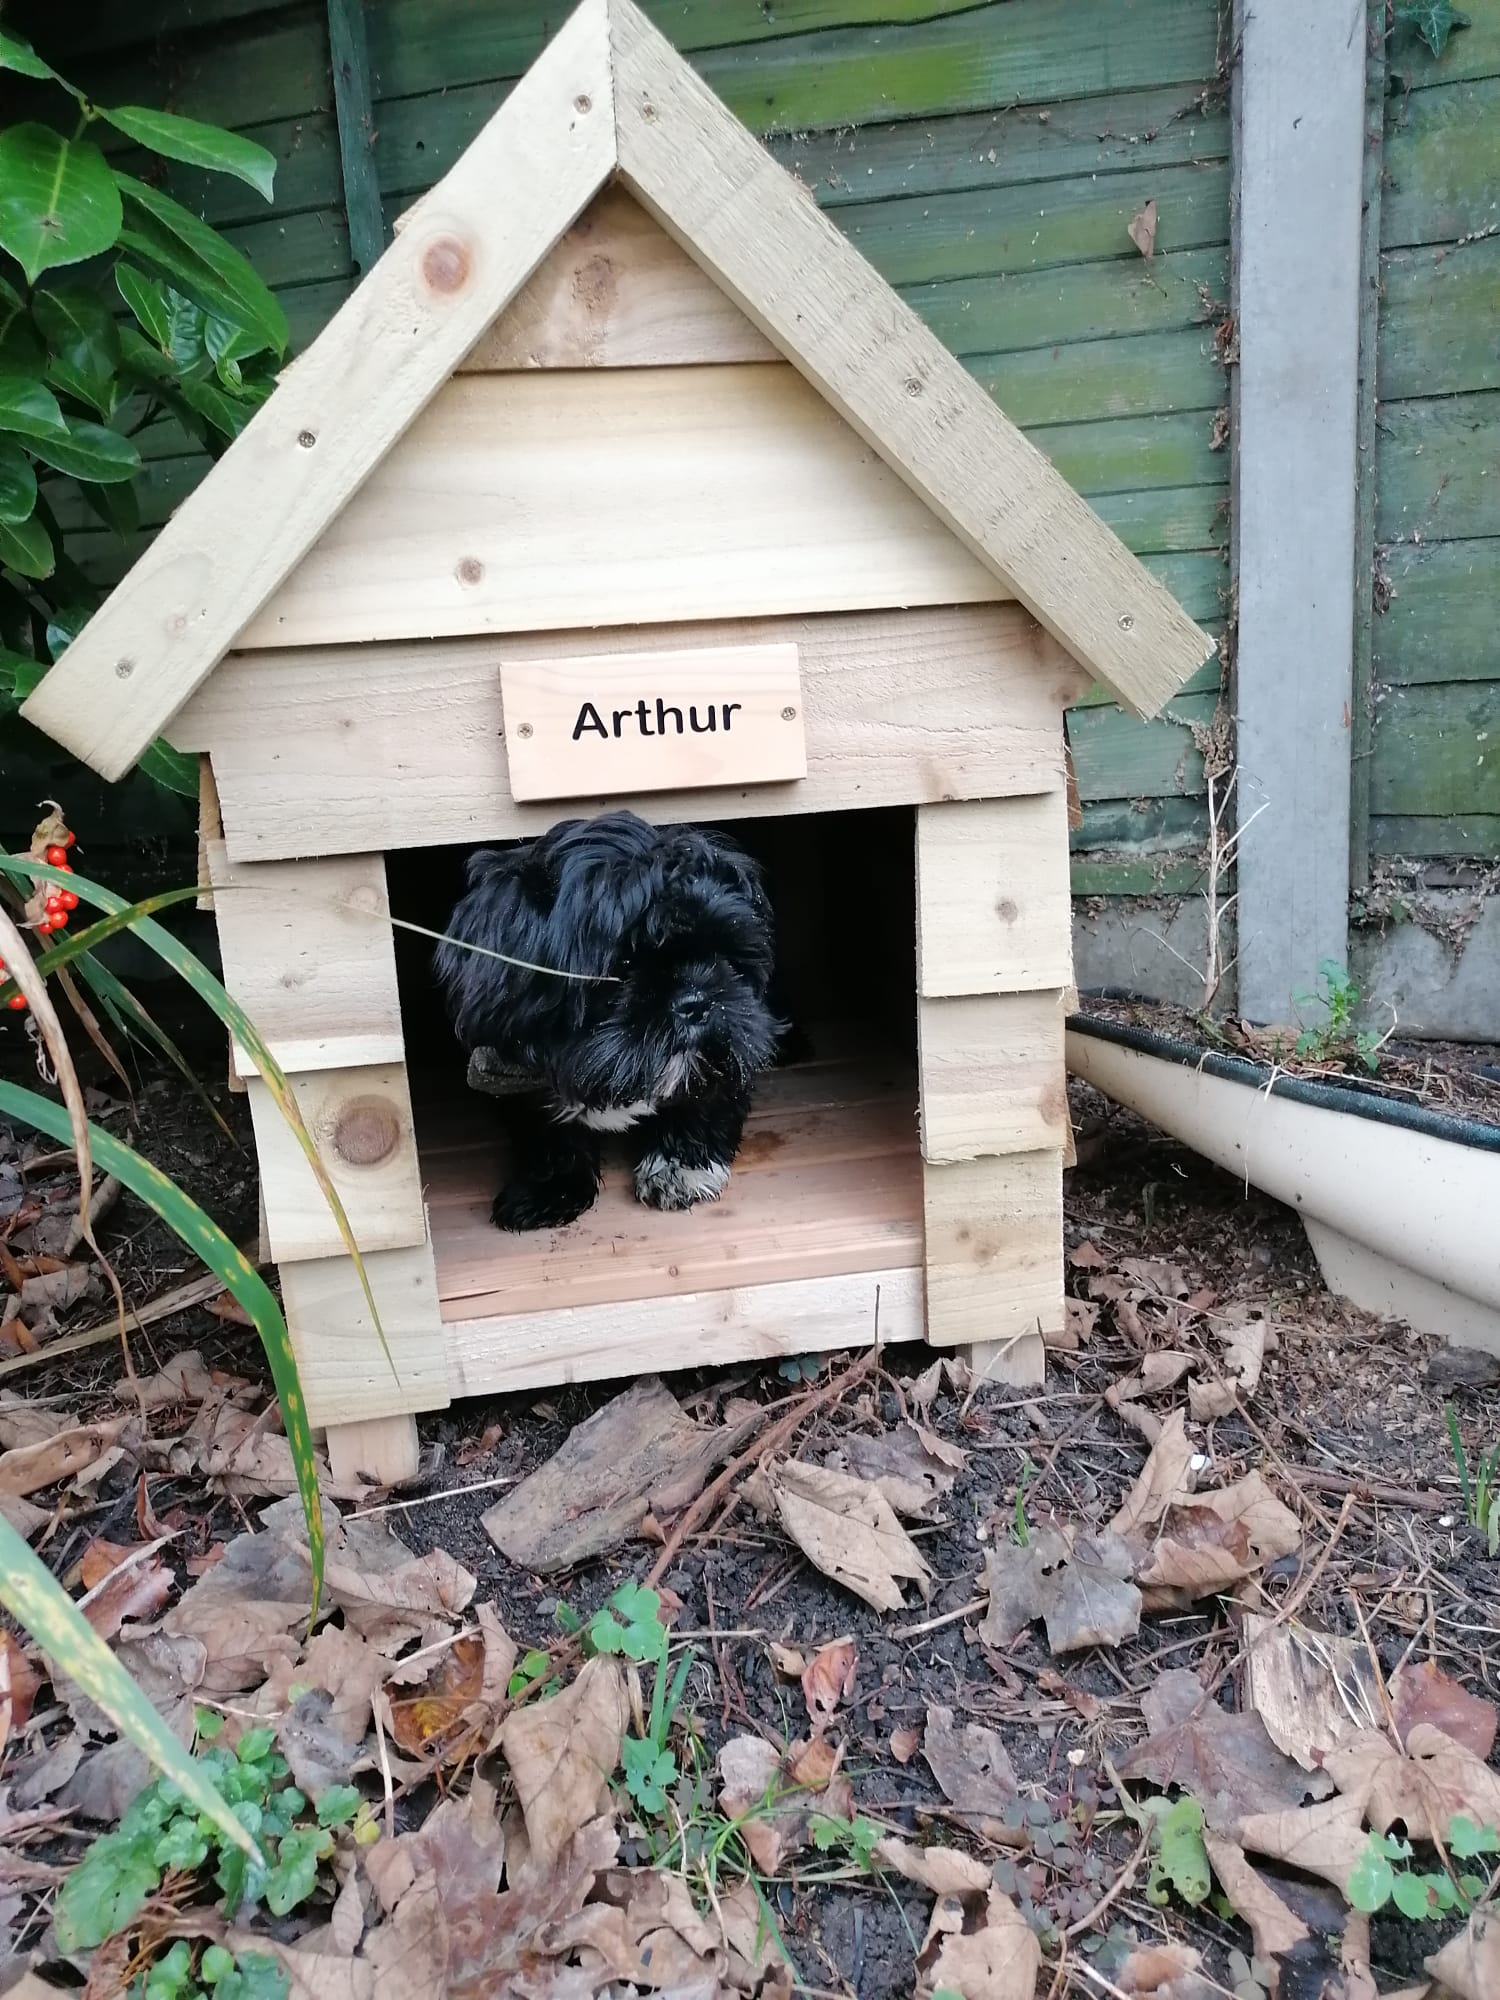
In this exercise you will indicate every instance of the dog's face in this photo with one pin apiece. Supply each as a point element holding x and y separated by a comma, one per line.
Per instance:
<point>667,934</point>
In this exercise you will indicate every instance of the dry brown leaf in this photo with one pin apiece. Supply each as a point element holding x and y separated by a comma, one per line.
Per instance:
<point>813,1763</point>
<point>340,1661</point>
<point>1228,1762</point>
<point>828,1678</point>
<point>135,1593</point>
<point>245,1610</point>
<point>1158,1372</point>
<point>750,1773</point>
<point>1165,1972</point>
<point>19,1681</point>
<point>788,1662</point>
<point>1437,1779</point>
<point>1082,1318</point>
<point>346,1922</point>
<point>1324,1840</point>
<point>1308,1687</point>
<point>1273,1927</point>
<point>1079,1584</point>
<point>905,1743</point>
<point>1425,1693</point>
<point>30,1468</point>
<point>944,1870</point>
<point>911,1465</point>
<point>1000,1961</point>
<point>430,1721</point>
<point>321,1975</point>
<point>1163,1480</point>
<point>1210,1541</point>
<point>845,1527</point>
<point>562,1754</point>
<point>1469,1965</point>
<point>970,1764</point>
<point>1087,1256</point>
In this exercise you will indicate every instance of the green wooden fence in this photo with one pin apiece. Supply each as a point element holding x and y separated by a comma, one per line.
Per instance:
<point>987,158</point>
<point>1435,770</point>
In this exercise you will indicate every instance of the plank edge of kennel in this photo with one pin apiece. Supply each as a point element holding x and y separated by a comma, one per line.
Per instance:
<point>373,608</point>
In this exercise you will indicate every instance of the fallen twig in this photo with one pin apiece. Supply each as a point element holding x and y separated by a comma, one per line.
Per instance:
<point>193,1293</point>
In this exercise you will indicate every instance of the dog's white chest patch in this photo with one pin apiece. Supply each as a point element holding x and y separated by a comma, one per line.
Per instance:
<point>612,1118</point>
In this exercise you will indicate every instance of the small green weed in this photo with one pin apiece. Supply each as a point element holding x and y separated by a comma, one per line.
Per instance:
<point>630,1626</point>
<point>1337,1039</point>
<point>1378,1878</point>
<point>163,1835</point>
<point>1179,1857</point>
<point>853,1838</point>
<point>219,1975</point>
<point>1480,1482</point>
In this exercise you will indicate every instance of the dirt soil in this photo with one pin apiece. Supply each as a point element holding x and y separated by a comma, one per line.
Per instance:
<point>1461,1079</point>
<point>1344,1425</point>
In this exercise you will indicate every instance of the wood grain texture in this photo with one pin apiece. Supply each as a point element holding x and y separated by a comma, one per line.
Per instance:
<point>756,232</point>
<point>901,707</point>
<point>827,1182</point>
<point>993,910</point>
<point>990,1074</point>
<point>617,292</point>
<point>612,496</point>
<point>338,410</point>
<point>994,1256</point>
<point>308,954</point>
<point>385,1450</point>
<point>696,1330</point>
<point>346,1376</point>
<point>361,1123</point>
<point>677,720</point>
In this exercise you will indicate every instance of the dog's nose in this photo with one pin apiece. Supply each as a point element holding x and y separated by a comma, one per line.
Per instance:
<point>691,1006</point>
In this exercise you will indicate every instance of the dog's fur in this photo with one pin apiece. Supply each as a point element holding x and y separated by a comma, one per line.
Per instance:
<point>663,1034</point>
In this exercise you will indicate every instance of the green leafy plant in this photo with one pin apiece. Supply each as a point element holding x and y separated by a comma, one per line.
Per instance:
<point>1179,1858</point>
<point>1020,1528</point>
<point>219,1975</point>
<point>1479,1482</point>
<point>165,1843</point>
<point>1379,1876</point>
<point>854,1839</point>
<point>531,1668</point>
<point>630,1625</point>
<point>1336,1039</point>
<point>1433,20</point>
<point>168,323</point>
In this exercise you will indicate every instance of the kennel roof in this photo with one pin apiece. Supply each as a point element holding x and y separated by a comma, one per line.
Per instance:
<point>609,100</point>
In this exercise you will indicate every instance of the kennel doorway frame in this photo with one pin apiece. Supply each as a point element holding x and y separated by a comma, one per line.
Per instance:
<point>652,273</point>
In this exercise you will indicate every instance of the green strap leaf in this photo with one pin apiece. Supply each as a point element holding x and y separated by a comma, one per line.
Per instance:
<point>27,549</point>
<point>29,408</point>
<point>58,199</point>
<point>197,259</point>
<point>37,1601</point>
<point>131,1019</point>
<point>229,1265</point>
<point>17,484</point>
<point>197,145</point>
<point>89,451</point>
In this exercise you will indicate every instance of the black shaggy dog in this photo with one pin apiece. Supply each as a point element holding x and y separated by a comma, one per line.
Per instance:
<point>661,1026</point>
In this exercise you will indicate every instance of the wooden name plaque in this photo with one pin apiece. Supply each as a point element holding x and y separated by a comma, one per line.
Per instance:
<point>606,724</point>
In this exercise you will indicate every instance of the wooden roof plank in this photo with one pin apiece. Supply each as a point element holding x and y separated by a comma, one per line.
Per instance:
<point>466,249</point>
<point>760,236</point>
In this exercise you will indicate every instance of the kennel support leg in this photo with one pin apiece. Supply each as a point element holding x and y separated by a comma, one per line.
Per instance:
<point>994,974</point>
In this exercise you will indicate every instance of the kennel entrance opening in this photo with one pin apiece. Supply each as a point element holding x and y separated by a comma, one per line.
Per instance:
<point>821,1224</point>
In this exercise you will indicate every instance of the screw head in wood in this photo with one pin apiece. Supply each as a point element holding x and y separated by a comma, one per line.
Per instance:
<point>789,715</point>
<point>307,439</point>
<point>584,103</point>
<point>1127,622</point>
<point>124,669</point>
<point>523,729</point>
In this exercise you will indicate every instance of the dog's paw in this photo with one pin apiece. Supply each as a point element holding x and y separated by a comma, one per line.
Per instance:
<point>522,1205</point>
<point>664,1183</point>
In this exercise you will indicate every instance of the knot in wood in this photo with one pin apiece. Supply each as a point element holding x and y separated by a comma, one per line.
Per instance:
<point>470,570</point>
<point>1006,910</point>
<point>445,264</point>
<point>368,1131</point>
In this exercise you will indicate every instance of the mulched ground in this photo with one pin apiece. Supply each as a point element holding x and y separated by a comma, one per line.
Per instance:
<point>1344,1424</point>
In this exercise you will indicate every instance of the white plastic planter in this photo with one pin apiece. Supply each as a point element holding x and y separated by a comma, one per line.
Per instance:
<point>1401,1205</point>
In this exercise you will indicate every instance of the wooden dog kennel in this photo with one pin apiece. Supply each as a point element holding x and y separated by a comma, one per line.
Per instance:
<point>618,409</point>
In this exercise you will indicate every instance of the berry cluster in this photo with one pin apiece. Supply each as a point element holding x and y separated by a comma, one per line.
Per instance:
<point>50,909</point>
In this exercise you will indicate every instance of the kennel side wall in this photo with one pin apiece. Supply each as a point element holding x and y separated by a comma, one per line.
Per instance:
<point>617,473</point>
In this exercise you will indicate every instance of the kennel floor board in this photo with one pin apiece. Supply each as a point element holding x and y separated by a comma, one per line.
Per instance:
<point>828,1182</point>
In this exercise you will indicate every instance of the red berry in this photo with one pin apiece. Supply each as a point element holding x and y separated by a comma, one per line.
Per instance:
<point>59,920</point>
<point>57,857</point>
<point>16,1002</point>
<point>69,838</point>
<point>53,905</point>
<point>67,898</point>
<point>65,867</point>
